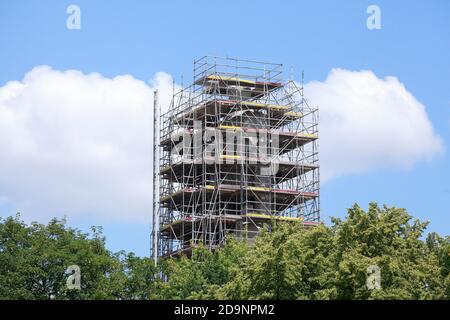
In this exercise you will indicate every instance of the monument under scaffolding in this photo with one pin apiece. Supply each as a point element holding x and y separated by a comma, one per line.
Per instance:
<point>237,149</point>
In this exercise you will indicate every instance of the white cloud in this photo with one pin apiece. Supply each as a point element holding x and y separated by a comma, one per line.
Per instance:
<point>78,145</point>
<point>81,144</point>
<point>367,123</point>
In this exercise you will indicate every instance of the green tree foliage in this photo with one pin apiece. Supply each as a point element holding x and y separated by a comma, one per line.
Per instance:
<point>202,275</point>
<point>289,262</point>
<point>293,262</point>
<point>33,261</point>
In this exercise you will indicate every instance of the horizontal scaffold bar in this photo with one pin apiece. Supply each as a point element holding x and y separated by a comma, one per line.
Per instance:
<point>181,228</point>
<point>182,169</point>
<point>234,81</point>
<point>280,197</point>
<point>277,114</point>
<point>287,141</point>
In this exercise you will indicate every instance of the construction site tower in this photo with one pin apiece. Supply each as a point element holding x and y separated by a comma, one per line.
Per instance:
<point>237,151</point>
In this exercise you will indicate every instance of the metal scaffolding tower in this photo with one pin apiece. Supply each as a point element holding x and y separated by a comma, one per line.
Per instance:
<point>238,149</point>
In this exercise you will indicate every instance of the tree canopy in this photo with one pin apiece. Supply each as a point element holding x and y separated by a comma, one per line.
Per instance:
<point>289,262</point>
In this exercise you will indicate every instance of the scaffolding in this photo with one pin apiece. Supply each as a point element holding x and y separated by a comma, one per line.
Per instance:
<point>237,150</point>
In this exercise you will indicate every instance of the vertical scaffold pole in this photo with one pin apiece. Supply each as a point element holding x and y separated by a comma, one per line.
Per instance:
<point>155,214</point>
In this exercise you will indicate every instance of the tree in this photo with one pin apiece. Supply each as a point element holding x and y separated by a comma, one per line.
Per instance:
<point>390,239</point>
<point>200,276</point>
<point>293,262</point>
<point>289,262</point>
<point>34,259</point>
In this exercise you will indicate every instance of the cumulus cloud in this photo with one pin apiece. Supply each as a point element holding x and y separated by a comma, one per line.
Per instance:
<point>78,144</point>
<point>81,144</point>
<point>367,123</point>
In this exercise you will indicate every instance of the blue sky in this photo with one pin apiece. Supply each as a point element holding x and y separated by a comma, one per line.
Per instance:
<point>142,38</point>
